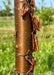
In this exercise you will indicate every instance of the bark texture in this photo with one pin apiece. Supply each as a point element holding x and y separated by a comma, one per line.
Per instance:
<point>26,26</point>
<point>23,43</point>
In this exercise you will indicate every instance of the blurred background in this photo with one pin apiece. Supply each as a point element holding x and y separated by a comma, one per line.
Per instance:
<point>45,56</point>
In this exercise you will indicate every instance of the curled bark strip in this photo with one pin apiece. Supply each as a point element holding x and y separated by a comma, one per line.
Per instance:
<point>16,72</point>
<point>32,63</point>
<point>36,43</point>
<point>36,27</point>
<point>28,52</point>
<point>36,23</point>
<point>32,3</point>
<point>25,9</point>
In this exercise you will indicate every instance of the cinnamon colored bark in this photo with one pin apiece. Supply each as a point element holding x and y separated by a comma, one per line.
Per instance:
<point>26,26</point>
<point>23,40</point>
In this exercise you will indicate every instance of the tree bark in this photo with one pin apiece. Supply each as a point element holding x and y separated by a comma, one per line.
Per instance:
<point>23,40</point>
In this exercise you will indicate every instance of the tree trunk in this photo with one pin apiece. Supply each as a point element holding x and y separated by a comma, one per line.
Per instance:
<point>23,43</point>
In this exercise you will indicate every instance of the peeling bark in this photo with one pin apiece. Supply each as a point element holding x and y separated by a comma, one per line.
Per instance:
<point>26,26</point>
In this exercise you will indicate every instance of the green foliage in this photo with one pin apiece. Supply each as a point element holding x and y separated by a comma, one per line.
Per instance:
<point>4,13</point>
<point>7,23</point>
<point>7,54</point>
<point>45,55</point>
<point>46,16</point>
<point>36,12</point>
<point>7,10</point>
<point>7,5</point>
